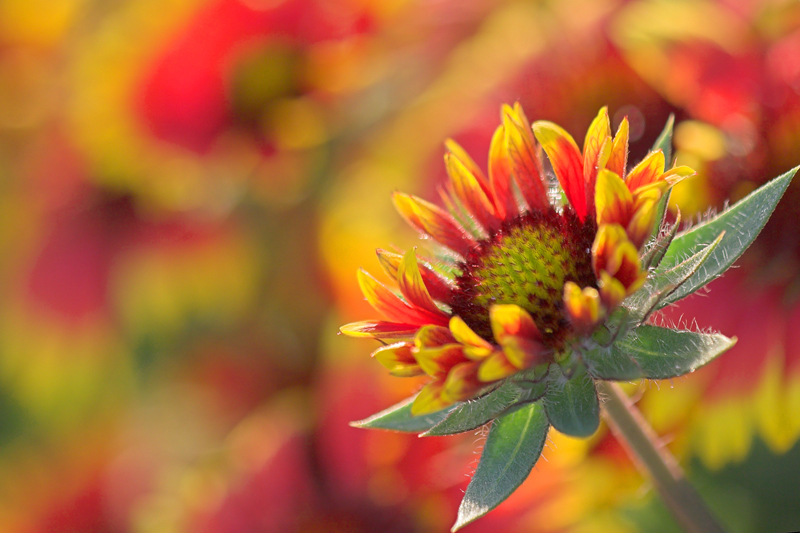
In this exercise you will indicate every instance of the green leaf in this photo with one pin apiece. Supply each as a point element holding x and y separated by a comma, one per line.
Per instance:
<point>662,282</point>
<point>399,418</point>
<point>512,448</point>
<point>664,141</point>
<point>475,413</point>
<point>656,353</point>
<point>741,223</point>
<point>572,406</point>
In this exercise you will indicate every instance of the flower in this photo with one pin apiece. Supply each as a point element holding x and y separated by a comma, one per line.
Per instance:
<point>526,276</point>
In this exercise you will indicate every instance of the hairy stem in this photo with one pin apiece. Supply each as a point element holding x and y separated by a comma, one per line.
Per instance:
<point>654,460</point>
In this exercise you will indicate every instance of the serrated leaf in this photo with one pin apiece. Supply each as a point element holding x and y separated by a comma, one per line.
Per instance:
<point>572,406</point>
<point>473,414</point>
<point>741,223</point>
<point>399,418</point>
<point>656,353</point>
<point>512,448</point>
<point>662,282</point>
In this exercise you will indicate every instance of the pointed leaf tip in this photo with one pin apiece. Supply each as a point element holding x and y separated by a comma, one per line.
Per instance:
<point>399,418</point>
<point>741,223</point>
<point>512,448</point>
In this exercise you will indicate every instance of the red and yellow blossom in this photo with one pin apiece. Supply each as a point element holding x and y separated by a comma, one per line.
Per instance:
<point>523,276</point>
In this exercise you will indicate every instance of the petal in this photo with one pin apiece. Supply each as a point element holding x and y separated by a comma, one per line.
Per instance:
<point>391,306</point>
<point>582,307</point>
<point>377,329</point>
<point>433,336</point>
<point>462,155</point>
<point>642,222</point>
<point>596,151</point>
<point>411,284</point>
<point>437,362</point>
<point>618,159</point>
<point>495,367</point>
<point>612,252</point>
<point>611,290</point>
<point>647,171</point>
<point>526,165</point>
<point>476,347</point>
<point>433,221</point>
<point>677,174</point>
<point>468,190</point>
<point>461,383</point>
<point>500,176</point>
<point>429,399</point>
<point>438,287</point>
<point>398,359</point>
<point>613,200</point>
<point>567,162</point>
<point>510,319</point>
<point>523,352</point>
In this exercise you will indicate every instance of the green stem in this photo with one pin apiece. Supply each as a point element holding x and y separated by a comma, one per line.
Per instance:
<point>653,459</point>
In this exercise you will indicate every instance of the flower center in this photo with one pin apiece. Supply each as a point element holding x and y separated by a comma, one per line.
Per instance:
<point>526,263</point>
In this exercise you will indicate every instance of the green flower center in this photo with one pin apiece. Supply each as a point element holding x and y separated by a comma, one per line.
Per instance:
<point>526,263</point>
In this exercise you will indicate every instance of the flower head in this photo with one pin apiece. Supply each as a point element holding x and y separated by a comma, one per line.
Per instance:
<point>538,301</point>
<point>526,276</point>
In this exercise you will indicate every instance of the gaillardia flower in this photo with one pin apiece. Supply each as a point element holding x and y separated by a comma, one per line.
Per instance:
<point>530,274</point>
<point>544,293</point>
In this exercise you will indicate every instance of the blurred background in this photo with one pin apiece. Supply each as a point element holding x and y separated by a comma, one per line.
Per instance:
<point>187,188</point>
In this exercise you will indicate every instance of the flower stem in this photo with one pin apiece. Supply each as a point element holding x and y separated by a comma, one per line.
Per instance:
<point>653,459</point>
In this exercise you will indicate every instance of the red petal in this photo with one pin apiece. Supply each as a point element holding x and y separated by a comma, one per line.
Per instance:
<point>500,176</point>
<point>438,287</point>
<point>379,329</point>
<point>521,146</point>
<point>388,304</point>
<point>433,221</point>
<point>567,163</point>
<point>411,284</point>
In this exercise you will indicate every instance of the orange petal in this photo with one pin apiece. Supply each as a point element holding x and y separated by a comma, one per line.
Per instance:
<point>526,165</point>
<point>411,284</point>
<point>437,362</point>
<point>438,287</point>
<point>476,347</point>
<point>642,222</point>
<point>677,174</point>
<point>433,221</point>
<point>613,200</point>
<point>647,171</point>
<point>612,252</point>
<point>398,359</point>
<point>618,159</point>
<point>582,306</point>
<point>461,383</point>
<point>462,155</point>
<point>468,190</point>
<point>388,304</point>
<point>567,163</point>
<point>596,151</point>
<point>433,337</point>
<point>611,290</point>
<point>429,399</point>
<point>500,176</point>
<point>523,352</point>
<point>377,329</point>
<point>495,367</point>
<point>510,319</point>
